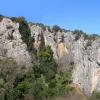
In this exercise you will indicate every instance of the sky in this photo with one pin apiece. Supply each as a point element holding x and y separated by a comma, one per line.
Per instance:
<point>70,14</point>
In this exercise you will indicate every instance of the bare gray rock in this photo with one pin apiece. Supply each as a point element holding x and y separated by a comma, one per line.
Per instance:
<point>11,44</point>
<point>86,72</point>
<point>86,58</point>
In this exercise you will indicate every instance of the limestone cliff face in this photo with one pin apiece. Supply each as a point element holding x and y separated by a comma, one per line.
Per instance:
<point>86,72</point>
<point>57,43</point>
<point>11,44</point>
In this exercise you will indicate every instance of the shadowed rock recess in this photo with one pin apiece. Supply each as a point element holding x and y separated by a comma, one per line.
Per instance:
<point>67,49</point>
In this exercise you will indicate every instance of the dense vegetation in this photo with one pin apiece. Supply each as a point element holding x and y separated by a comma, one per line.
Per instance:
<point>40,82</point>
<point>79,33</point>
<point>56,28</point>
<point>95,96</point>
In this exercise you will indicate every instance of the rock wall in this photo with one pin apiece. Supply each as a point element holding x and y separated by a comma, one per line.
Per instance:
<point>86,59</point>
<point>86,72</point>
<point>11,44</point>
<point>87,66</point>
<point>61,52</point>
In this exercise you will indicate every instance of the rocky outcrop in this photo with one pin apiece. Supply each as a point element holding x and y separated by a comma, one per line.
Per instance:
<point>37,35</point>
<point>86,58</point>
<point>11,44</point>
<point>87,69</point>
<point>57,43</point>
<point>66,50</point>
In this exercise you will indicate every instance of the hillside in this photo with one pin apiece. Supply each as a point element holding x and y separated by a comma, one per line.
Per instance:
<point>40,62</point>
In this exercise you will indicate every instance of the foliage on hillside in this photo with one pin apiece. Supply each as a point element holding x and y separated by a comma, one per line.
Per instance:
<point>54,28</point>
<point>40,82</point>
<point>95,96</point>
<point>79,33</point>
<point>1,17</point>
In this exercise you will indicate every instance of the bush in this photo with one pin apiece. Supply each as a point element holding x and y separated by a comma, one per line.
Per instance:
<point>79,33</point>
<point>89,43</point>
<point>46,65</point>
<point>46,68</point>
<point>22,88</point>
<point>95,96</point>
<point>13,79</point>
<point>1,17</point>
<point>40,83</point>
<point>93,37</point>
<point>56,28</point>
<point>41,88</point>
<point>7,76</point>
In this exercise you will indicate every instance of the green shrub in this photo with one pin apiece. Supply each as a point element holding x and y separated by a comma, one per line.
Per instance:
<point>1,82</point>
<point>95,96</point>
<point>78,34</point>
<point>46,65</point>
<point>1,17</point>
<point>57,82</point>
<point>41,88</point>
<point>40,83</point>
<point>56,28</point>
<point>7,76</point>
<point>93,37</point>
<point>22,88</point>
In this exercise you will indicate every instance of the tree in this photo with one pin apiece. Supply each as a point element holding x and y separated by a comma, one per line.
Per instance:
<point>46,64</point>
<point>56,28</point>
<point>1,17</point>
<point>41,88</point>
